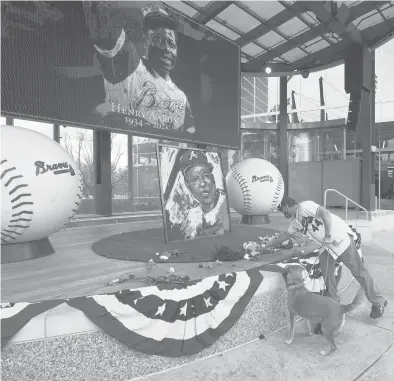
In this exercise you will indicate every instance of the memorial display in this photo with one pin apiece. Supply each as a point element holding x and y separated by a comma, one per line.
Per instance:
<point>194,197</point>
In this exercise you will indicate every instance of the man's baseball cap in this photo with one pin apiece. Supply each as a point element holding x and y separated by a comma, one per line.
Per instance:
<point>155,16</point>
<point>192,158</point>
<point>287,201</point>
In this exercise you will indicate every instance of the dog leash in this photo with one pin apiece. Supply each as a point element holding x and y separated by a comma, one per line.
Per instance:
<point>323,248</point>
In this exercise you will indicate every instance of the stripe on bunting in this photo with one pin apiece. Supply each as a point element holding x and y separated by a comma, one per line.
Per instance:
<point>13,319</point>
<point>154,324</point>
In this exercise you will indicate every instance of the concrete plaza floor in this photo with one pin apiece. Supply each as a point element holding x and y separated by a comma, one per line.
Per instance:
<point>365,346</point>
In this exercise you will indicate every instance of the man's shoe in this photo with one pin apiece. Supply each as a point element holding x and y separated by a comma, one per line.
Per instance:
<point>377,310</point>
<point>318,330</point>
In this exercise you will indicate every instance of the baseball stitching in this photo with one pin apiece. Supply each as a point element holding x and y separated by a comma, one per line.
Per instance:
<point>277,194</point>
<point>247,196</point>
<point>22,203</point>
<point>77,202</point>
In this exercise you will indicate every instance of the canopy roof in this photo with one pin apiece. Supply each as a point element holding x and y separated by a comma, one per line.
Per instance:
<point>293,36</point>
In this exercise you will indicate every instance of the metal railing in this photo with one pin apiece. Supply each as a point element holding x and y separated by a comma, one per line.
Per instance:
<point>346,202</point>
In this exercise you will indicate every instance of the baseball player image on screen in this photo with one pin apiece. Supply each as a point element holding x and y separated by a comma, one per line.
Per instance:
<point>139,90</point>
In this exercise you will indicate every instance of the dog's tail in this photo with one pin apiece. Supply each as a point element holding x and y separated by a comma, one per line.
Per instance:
<point>357,301</point>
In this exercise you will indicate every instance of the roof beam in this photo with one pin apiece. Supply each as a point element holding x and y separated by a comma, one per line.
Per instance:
<point>379,33</point>
<point>262,21</point>
<point>325,56</point>
<point>210,11</point>
<point>288,45</point>
<point>305,21</point>
<point>272,23</point>
<point>355,12</point>
<point>319,57</point>
<point>337,23</point>
<point>364,7</point>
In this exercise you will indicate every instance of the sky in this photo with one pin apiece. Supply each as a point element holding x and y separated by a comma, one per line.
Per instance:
<point>307,97</point>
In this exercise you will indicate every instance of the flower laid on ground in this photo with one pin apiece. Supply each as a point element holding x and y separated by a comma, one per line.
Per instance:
<point>150,263</point>
<point>165,255</point>
<point>253,248</point>
<point>289,244</point>
<point>268,238</point>
<point>122,279</point>
<point>168,279</point>
<point>210,265</point>
<point>225,254</point>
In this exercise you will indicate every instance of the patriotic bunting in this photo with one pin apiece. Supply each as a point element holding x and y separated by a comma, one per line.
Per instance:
<point>314,280</point>
<point>167,320</point>
<point>15,316</point>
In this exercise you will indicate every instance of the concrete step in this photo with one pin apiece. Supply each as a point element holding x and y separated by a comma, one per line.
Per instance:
<point>91,220</point>
<point>383,220</point>
<point>117,219</point>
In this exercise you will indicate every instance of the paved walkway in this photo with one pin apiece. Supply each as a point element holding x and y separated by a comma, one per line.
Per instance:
<point>365,346</point>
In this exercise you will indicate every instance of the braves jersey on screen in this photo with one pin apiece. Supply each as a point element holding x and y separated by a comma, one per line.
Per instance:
<point>307,222</point>
<point>157,100</point>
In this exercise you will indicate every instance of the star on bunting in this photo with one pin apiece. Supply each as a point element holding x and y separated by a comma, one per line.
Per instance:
<point>183,310</point>
<point>207,302</point>
<point>160,310</point>
<point>223,285</point>
<point>136,300</point>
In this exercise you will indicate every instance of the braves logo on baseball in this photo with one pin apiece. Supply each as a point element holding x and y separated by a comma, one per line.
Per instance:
<point>262,178</point>
<point>57,168</point>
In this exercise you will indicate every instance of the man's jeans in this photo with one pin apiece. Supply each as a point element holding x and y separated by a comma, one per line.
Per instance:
<point>351,259</point>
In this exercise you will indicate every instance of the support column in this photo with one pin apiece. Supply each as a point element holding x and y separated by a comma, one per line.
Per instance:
<point>359,83</point>
<point>366,132</point>
<point>130,170</point>
<point>283,155</point>
<point>373,134</point>
<point>56,133</point>
<point>322,104</point>
<point>102,172</point>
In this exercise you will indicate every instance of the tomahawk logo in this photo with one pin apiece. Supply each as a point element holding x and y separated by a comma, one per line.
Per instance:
<point>262,179</point>
<point>193,155</point>
<point>57,168</point>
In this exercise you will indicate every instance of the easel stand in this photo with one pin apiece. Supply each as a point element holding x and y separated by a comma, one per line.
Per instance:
<point>255,220</point>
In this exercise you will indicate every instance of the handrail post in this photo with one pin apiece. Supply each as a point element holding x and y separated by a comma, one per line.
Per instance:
<point>346,205</point>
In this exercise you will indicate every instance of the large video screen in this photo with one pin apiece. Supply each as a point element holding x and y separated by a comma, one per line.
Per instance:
<point>131,66</point>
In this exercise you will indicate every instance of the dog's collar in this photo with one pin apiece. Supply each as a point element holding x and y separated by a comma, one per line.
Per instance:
<point>296,285</point>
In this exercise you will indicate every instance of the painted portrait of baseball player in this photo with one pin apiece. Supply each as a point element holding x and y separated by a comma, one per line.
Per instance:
<point>193,192</point>
<point>139,91</point>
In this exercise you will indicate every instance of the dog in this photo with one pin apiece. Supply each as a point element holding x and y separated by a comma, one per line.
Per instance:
<point>312,307</point>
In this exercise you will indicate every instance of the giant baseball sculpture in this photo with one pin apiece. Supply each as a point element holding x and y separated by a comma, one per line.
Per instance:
<point>255,187</point>
<point>41,186</point>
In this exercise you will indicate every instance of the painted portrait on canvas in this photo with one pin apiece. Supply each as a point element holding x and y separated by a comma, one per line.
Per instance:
<point>193,191</point>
